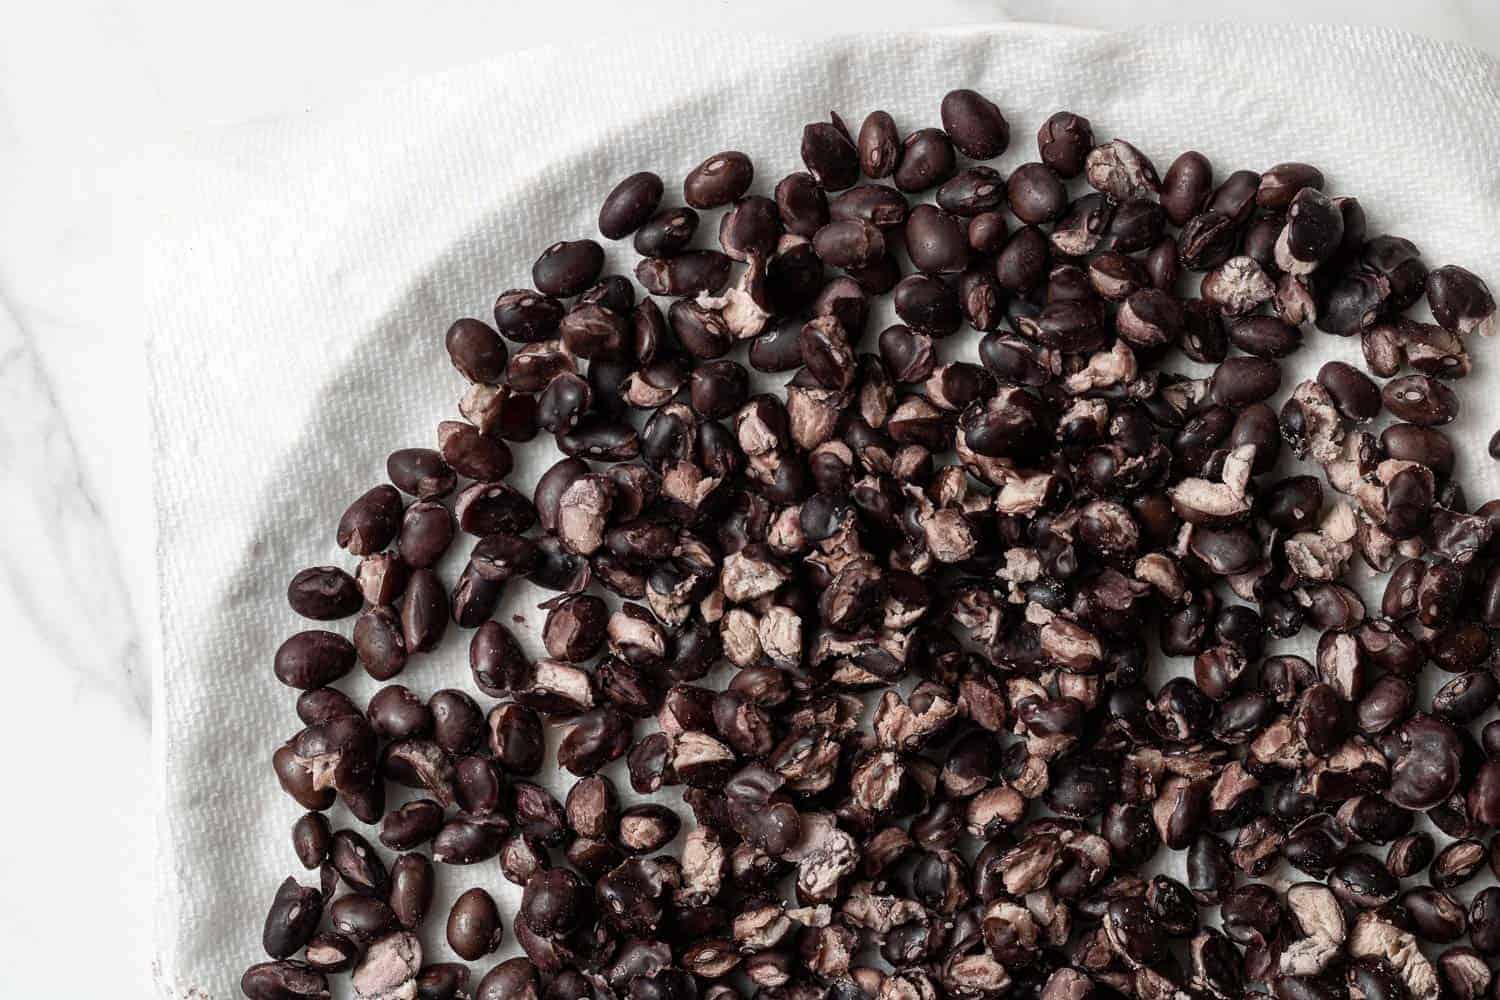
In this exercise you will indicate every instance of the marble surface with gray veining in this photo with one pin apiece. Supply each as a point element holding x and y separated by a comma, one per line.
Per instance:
<point>83,84</point>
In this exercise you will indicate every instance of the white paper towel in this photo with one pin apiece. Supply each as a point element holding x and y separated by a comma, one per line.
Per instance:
<point>304,270</point>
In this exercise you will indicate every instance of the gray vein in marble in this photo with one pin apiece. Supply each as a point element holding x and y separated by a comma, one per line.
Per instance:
<point>60,571</point>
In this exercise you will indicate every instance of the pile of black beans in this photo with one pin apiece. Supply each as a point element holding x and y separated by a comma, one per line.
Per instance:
<point>893,633</point>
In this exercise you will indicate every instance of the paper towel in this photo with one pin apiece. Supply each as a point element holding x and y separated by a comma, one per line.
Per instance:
<point>303,271</point>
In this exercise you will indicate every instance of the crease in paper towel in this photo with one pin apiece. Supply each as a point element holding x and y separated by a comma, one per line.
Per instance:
<point>304,271</point>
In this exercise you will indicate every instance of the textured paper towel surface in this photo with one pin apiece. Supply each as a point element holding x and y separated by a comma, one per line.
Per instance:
<point>304,270</point>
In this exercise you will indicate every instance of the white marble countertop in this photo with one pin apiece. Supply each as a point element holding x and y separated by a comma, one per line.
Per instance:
<point>82,84</point>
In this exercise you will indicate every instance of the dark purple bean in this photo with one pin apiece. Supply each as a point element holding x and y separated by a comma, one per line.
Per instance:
<point>665,234</point>
<point>719,180</point>
<point>1186,186</point>
<point>567,267</point>
<point>879,145</point>
<point>830,156</point>
<point>313,659</point>
<point>474,927</point>
<point>1063,142</point>
<point>1420,400</point>
<point>926,160</point>
<point>629,204</point>
<point>1035,193</point>
<point>371,522</point>
<point>975,124</point>
<point>324,593</point>
<point>937,242</point>
<point>1355,395</point>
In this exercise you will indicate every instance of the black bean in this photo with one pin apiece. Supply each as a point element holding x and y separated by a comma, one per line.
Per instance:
<point>1265,336</point>
<point>849,244</point>
<point>1314,230</point>
<point>1280,184</point>
<point>1119,170</point>
<point>424,612</point>
<point>420,472</point>
<point>554,901</point>
<point>324,593</point>
<point>1035,193</point>
<point>1186,186</point>
<point>361,918</point>
<point>1420,400</point>
<point>412,824</point>
<point>1063,141</point>
<point>1356,302</point>
<point>574,628</point>
<point>1256,425</point>
<point>527,316</point>
<point>313,659</point>
<point>382,578</point>
<point>937,242</point>
<point>751,228</point>
<point>1361,881</point>
<point>1206,241</point>
<point>829,154</point>
<point>516,738</point>
<point>1456,863</point>
<point>472,454</point>
<point>801,204</point>
<point>1355,395</point>
<point>688,273</point>
<point>1484,921</point>
<point>793,278</point>
<point>665,234</point>
<point>1460,300</point>
<point>442,981</point>
<point>718,388</point>
<point>927,305</point>
<point>477,351</point>
<point>324,705</point>
<point>778,349</point>
<point>567,267</point>
<point>1131,929</point>
<point>371,522</point>
<point>312,838</point>
<point>988,232</point>
<point>629,204</point>
<point>457,722</point>
<point>595,332</point>
<point>972,191</point>
<point>718,180</point>
<point>975,124</point>
<point>879,145</point>
<point>1136,225</point>
<point>358,864</point>
<point>926,160</point>
<point>1083,227</point>
<point>1023,264</point>
<point>292,919</point>
<point>284,980</point>
<point>427,530</point>
<point>513,979</point>
<point>1235,197</point>
<point>474,927</point>
<point>1238,382</point>
<point>412,888</point>
<point>380,642</point>
<point>1425,445</point>
<point>488,508</point>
